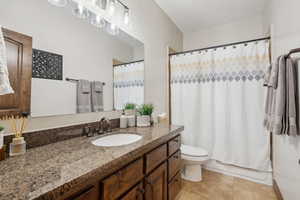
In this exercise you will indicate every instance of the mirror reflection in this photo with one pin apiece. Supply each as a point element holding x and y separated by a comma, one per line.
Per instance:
<point>128,84</point>
<point>85,68</point>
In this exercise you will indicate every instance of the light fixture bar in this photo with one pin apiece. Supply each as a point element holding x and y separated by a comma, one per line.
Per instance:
<point>120,2</point>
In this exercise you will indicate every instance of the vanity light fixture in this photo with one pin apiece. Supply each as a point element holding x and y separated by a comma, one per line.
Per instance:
<point>58,3</point>
<point>112,7</point>
<point>81,12</point>
<point>113,29</point>
<point>126,16</point>
<point>97,21</point>
<point>90,10</point>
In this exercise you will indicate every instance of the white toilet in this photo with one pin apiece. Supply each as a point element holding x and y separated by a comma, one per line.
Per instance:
<point>193,159</point>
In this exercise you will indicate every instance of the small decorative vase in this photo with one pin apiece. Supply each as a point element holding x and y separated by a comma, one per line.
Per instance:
<point>17,147</point>
<point>1,138</point>
<point>2,146</point>
<point>129,112</point>
<point>143,120</point>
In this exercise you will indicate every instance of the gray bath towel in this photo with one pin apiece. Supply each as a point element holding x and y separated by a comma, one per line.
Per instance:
<point>292,98</point>
<point>280,98</point>
<point>281,110</point>
<point>271,78</point>
<point>97,96</point>
<point>83,96</point>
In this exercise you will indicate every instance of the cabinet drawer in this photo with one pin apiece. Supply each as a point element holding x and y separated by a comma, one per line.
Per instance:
<point>174,187</point>
<point>134,194</point>
<point>174,145</point>
<point>90,193</point>
<point>174,165</point>
<point>155,157</point>
<point>115,185</point>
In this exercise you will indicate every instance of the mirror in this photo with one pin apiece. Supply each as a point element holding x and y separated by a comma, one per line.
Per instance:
<point>67,49</point>
<point>120,69</point>
<point>129,77</point>
<point>80,50</point>
<point>119,66</point>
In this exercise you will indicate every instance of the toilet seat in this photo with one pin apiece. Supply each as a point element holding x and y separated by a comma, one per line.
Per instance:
<point>190,151</point>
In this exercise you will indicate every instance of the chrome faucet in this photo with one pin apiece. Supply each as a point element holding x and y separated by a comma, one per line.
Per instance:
<point>105,125</point>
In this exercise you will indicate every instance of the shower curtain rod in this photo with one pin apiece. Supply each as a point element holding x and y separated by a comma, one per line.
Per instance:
<point>129,63</point>
<point>219,46</point>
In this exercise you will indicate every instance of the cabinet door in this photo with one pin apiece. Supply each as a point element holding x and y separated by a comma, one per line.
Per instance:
<point>117,184</point>
<point>19,63</point>
<point>174,165</point>
<point>135,194</point>
<point>156,184</point>
<point>175,187</point>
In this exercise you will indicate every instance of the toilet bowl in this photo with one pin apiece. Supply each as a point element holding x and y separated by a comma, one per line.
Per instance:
<point>193,159</point>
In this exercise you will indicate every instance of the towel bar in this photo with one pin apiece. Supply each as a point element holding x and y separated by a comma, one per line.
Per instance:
<point>75,80</point>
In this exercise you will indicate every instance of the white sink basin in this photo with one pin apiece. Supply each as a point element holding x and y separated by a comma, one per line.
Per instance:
<point>117,139</point>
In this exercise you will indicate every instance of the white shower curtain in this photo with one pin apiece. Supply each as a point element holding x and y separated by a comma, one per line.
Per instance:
<point>218,96</point>
<point>128,84</point>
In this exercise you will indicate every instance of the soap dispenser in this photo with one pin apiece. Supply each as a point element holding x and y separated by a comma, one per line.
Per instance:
<point>123,121</point>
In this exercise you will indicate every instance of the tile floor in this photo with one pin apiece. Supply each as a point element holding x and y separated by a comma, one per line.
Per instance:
<point>216,186</point>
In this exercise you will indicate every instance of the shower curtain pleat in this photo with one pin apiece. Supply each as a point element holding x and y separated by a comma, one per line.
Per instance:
<point>218,96</point>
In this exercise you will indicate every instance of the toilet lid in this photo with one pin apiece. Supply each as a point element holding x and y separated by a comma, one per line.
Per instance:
<point>193,151</point>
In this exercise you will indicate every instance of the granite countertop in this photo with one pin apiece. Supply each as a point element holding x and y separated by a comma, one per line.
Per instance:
<point>47,172</point>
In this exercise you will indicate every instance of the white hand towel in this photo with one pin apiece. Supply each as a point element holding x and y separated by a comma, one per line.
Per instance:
<point>5,87</point>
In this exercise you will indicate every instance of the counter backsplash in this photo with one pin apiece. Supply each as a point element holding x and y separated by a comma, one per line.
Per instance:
<point>44,137</point>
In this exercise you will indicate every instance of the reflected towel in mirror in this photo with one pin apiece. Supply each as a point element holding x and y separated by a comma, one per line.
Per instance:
<point>83,96</point>
<point>5,87</point>
<point>97,96</point>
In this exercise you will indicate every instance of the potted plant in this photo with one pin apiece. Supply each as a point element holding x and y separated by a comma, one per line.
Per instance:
<point>145,111</point>
<point>129,109</point>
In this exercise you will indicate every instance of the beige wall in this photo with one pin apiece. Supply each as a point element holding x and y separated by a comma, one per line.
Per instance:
<point>283,18</point>
<point>240,30</point>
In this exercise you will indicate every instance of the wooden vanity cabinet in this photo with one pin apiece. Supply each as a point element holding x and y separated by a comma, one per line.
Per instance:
<point>88,193</point>
<point>121,181</point>
<point>156,184</point>
<point>137,193</point>
<point>153,176</point>
<point>174,187</point>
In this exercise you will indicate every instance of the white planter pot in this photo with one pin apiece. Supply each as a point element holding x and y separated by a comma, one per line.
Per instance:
<point>131,121</point>
<point>143,121</point>
<point>129,112</point>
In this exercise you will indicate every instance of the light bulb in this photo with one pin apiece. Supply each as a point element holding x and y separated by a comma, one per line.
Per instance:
<point>80,12</point>
<point>112,7</point>
<point>94,2</point>
<point>113,29</point>
<point>103,4</point>
<point>98,21</point>
<point>126,16</point>
<point>58,3</point>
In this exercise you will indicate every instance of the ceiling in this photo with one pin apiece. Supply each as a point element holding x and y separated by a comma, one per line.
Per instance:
<point>192,15</point>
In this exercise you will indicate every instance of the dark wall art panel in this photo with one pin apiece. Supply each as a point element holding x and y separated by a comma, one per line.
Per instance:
<point>47,65</point>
